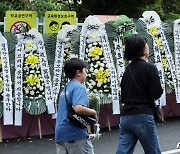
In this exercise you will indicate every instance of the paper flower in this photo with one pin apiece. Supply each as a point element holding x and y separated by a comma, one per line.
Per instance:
<point>158,41</point>
<point>29,45</point>
<point>32,79</point>
<point>31,60</point>
<point>95,52</point>
<point>164,62</point>
<point>153,30</point>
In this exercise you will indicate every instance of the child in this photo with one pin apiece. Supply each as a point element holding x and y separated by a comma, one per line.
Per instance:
<point>69,138</point>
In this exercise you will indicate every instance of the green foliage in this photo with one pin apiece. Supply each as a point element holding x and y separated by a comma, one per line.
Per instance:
<point>34,5</point>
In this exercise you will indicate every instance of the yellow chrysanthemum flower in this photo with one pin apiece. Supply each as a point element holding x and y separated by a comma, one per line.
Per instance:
<point>95,52</point>
<point>164,62</point>
<point>102,75</point>
<point>153,30</point>
<point>32,60</point>
<point>32,79</point>
<point>29,45</point>
<point>158,41</point>
<point>0,61</point>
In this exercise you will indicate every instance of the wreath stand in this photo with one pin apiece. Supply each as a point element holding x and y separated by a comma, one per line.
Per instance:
<point>39,126</point>
<point>107,118</point>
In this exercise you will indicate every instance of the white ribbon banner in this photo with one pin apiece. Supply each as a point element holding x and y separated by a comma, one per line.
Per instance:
<point>158,62</point>
<point>111,67</point>
<point>119,56</point>
<point>7,96</point>
<point>18,83</point>
<point>46,76</point>
<point>177,55</point>
<point>82,45</point>
<point>58,64</point>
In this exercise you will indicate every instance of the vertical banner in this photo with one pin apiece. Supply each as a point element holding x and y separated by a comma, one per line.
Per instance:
<point>6,83</point>
<point>119,56</point>
<point>18,83</point>
<point>177,53</point>
<point>114,87</point>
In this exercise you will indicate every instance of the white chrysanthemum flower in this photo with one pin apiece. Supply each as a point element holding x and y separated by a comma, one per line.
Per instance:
<point>93,59</point>
<point>40,96</point>
<point>32,92</point>
<point>26,68</point>
<point>89,75</point>
<point>34,88</point>
<point>95,43</point>
<point>100,91</point>
<point>102,65</point>
<point>105,90</point>
<point>91,69</point>
<point>95,90</point>
<point>95,66</point>
<point>90,87</point>
<point>41,88</point>
<point>99,84</point>
<point>32,71</point>
<point>93,83</point>
<point>90,45</point>
<point>27,91</point>
<point>96,71</point>
<point>38,85</point>
<point>105,86</point>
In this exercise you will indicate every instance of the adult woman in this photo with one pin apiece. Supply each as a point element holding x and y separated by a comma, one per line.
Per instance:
<point>140,86</point>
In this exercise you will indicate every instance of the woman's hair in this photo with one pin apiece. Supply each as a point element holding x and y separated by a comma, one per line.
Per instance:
<point>72,66</point>
<point>134,47</point>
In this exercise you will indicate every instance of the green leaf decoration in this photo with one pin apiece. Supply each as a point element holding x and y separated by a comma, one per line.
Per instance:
<point>94,102</point>
<point>121,20</point>
<point>124,25</point>
<point>35,107</point>
<point>75,37</point>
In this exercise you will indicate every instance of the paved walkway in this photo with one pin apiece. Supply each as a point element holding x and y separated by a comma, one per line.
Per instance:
<point>169,136</point>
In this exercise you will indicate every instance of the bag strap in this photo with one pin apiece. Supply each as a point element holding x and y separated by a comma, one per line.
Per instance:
<point>136,82</point>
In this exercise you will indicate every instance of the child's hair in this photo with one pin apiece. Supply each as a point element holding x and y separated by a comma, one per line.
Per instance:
<point>72,66</point>
<point>134,47</point>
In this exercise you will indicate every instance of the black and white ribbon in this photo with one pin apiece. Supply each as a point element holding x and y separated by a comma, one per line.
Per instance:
<point>19,56</point>
<point>177,54</point>
<point>7,96</point>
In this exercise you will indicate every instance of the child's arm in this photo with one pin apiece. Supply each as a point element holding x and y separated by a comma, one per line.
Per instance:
<point>79,109</point>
